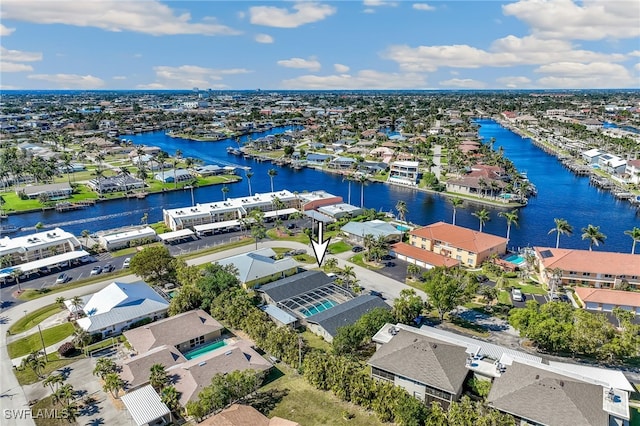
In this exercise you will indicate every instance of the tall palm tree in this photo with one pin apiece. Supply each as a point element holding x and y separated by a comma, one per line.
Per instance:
<point>225,190</point>
<point>81,338</point>
<point>15,274</point>
<point>483,216</point>
<point>85,234</point>
<point>593,234</point>
<point>401,208</point>
<point>362,179</point>
<point>158,376</point>
<point>635,236</point>
<point>249,176</point>
<point>562,227</point>
<point>512,218</point>
<point>171,398</point>
<point>53,380</point>
<point>272,173</point>
<point>113,384</point>
<point>456,202</point>
<point>76,303</point>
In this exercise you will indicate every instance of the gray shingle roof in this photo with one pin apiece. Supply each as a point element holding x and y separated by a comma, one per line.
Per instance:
<point>547,397</point>
<point>295,284</point>
<point>429,361</point>
<point>346,313</point>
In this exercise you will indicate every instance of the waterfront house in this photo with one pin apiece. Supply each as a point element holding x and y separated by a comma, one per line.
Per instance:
<point>209,170</point>
<point>482,180</point>
<point>404,172</point>
<point>121,182</point>
<point>591,156</point>
<point>53,191</point>
<point>587,268</point>
<point>605,300</point>
<point>341,210</point>
<point>126,237</point>
<point>357,231</point>
<point>260,267</point>
<point>633,171</point>
<point>343,163</point>
<point>318,160</point>
<point>469,247</point>
<point>117,307</point>
<point>174,175</point>
<point>313,200</point>
<point>612,164</point>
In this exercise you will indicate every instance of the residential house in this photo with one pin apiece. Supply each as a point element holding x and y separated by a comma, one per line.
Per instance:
<point>53,191</point>
<point>420,257</point>
<point>587,268</point>
<point>343,163</point>
<point>341,210</point>
<point>318,160</point>
<point>592,156</point>
<point>174,176</point>
<point>469,247</point>
<point>117,306</point>
<point>122,182</point>
<point>315,199</point>
<point>612,164</point>
<point>404,172</point>
<point>244,415</point>
<point>633,171</point>
<point>260,267</point>
<point>356,231</point>
<point>209,170</point>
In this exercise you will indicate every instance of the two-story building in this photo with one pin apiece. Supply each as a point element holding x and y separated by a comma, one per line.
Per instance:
<point>404,172</point>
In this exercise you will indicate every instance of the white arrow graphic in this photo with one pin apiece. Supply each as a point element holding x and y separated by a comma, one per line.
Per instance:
<point>320,246</point>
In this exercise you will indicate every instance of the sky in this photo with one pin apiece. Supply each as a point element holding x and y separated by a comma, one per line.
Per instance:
<point>278,45</point>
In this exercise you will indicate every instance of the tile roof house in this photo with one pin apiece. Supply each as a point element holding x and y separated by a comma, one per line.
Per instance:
<point>604,300</point>
<point>117,306</point>
<point>469,247</point>
<point>588,268</point>
<point>244,415</point>
<point>423,258</point>
<point>429,369</point>
<point>260,267</point>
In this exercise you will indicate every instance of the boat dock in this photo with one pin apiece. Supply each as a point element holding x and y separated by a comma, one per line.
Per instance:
<point>64,206</point>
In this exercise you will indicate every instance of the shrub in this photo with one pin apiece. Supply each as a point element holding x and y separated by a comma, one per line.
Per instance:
<point>143,321</point>
<point>480,387</point>
<point>511,275</point>
<point>66,349</point>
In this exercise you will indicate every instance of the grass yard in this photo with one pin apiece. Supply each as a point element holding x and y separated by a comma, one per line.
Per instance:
<point>311,407</point>
<point>339,247</point>
<point>504,298</point>
<point>316,342</point>
<point>33,342</point>
<point>34,318</point>
<point>298,237</point>
<point>358,259</point>
<point>529,288</point>
<point>26,376</point>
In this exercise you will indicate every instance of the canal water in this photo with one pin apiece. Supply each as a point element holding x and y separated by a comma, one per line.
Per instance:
<point>560,195</point>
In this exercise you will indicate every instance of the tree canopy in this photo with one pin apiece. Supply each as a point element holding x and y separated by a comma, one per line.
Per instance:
<point>154,264</point>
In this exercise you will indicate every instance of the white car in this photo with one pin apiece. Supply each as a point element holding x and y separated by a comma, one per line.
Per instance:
<point>516,295</point>
<point>126,263</point>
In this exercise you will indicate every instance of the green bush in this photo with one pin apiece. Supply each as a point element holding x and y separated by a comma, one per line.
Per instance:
<point>480,387</point>
<point>143,321</point>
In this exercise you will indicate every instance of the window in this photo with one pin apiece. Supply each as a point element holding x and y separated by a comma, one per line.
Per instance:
<point>573,273</point>
<point>382,374</point>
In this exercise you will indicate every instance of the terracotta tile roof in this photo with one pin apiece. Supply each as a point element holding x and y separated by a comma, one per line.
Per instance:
<point>424,255</point>
<point>459,237</point>
<point>601,262</point>
<point>608,297</point>
<point>244,415</point>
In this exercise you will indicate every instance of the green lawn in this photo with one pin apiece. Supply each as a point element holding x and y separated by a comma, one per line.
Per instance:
<point>316,342</point>
<point>33,342</point>
<point>339,247</point>
<point>358,259</point>
<point>26,376</point>
<point>34,318</point>
<point>311,407</point>
<point>503,297</point>
<point>529,288</point>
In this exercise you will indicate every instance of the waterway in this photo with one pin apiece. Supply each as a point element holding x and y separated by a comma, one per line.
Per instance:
<point>560,195</point>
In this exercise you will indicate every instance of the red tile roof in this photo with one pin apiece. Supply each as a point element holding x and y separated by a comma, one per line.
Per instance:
<point>424,255</point>
<point>600,262</point>
<point>459,237</point>
<point>608,297</point>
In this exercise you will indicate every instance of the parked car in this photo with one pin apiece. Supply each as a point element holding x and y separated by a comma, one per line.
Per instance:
<point>516,295</point>
<point>107,268</point>
<point>126,263</point>
<point>357,249</point>
<point>87,259</point>
<point>554,297</point>
<point>97,270</point>
<point>375,293</point>
<point>291,226</point>
<point>391,264</point>
<point>62,278</point>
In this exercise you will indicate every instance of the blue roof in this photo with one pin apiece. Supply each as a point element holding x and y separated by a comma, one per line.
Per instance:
<point>279,315</point>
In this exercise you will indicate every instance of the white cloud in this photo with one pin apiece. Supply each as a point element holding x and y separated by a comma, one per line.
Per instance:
<point>19,56</point>
<point>378,3</point>
<point>464,83</point>
<point>149,17</point>
<point>264,38</point>
<point>423,6</point>
<point>310,64</point>
<point>369,10</point>
<point>119,77</point>
<point>6,31</point>
<point>305,13</point>
<point>592,75</point>
<point>340,68</point>
<point>187,76</point>
<point>635,53</point>
<point>504,52</point>
<point>637,67</point>
<point>13,67</point>
<point>70,81</point>
<point>589,20</point>
<point>515,82</point>
<point>365,79</point>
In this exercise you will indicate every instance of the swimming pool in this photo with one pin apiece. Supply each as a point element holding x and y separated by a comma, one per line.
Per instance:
<point>402,228</point>
<point>317,308</point>
<point>204,349</point>
<point>516,259</point>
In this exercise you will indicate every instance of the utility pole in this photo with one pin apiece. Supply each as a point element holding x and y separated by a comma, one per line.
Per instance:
<point>44,348</point>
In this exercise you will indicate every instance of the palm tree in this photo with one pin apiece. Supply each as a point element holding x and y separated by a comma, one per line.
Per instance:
<point>483,216</point>
<point>330,264</point>
<point>348,275</point>
<point>76,303</point>
<point>69,412</point>
<point>593,234</point>
<point>144,219</point>
<point>103,367</point>
<point>225,190</point>
<point>171,398</point>
<point>362,179</point>
<point>15,274</point>
<point>60,301</point>
<point>249,176</point>
<point>113,384</point>
<point>160,157</point>
<point>562,227</point>
<point>85,234</point>
<point>401,208</point>
<point>36,362</point>
<point>81,337</point>
<point>272,173</point>
<point>456,202</point>
<point>53,380</point>
<point>158,377</point>
<point>635,236</point>
<point>512,218</point>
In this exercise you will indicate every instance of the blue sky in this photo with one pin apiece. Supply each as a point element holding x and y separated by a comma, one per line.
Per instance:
<point>370,44</point>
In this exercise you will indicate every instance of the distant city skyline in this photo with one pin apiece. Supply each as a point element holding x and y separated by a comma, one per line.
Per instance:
<point>277,45</point>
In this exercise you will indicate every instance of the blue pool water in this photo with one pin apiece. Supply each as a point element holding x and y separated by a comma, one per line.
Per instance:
<point>516,259</point>
<point>205,349</point>
<point>402,228</point>
<point>315,309</point>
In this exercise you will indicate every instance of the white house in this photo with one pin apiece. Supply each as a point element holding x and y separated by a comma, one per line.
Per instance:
<point>612,163</point>
<point>117,306</point>
<point>591,156</point>
<point>633,170</point>
<point>404,172</point>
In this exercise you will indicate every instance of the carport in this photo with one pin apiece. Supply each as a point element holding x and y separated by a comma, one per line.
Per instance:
<point>212,227</point>
<point>146,407</point>
<point>43,263</point>
<point>283,212</point>
<point>177,235</point>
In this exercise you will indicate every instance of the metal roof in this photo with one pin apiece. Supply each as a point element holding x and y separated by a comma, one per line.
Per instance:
<point>346,313</point>
<point>279,314</point>
<point>41,263</point>
<point>145,405</point>
<point>176,235</point>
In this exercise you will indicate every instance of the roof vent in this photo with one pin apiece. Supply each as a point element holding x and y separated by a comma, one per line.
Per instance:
<point>537,376</point>
<point>203,363</point>
<point>561,383</point>
<point>227,353</point>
